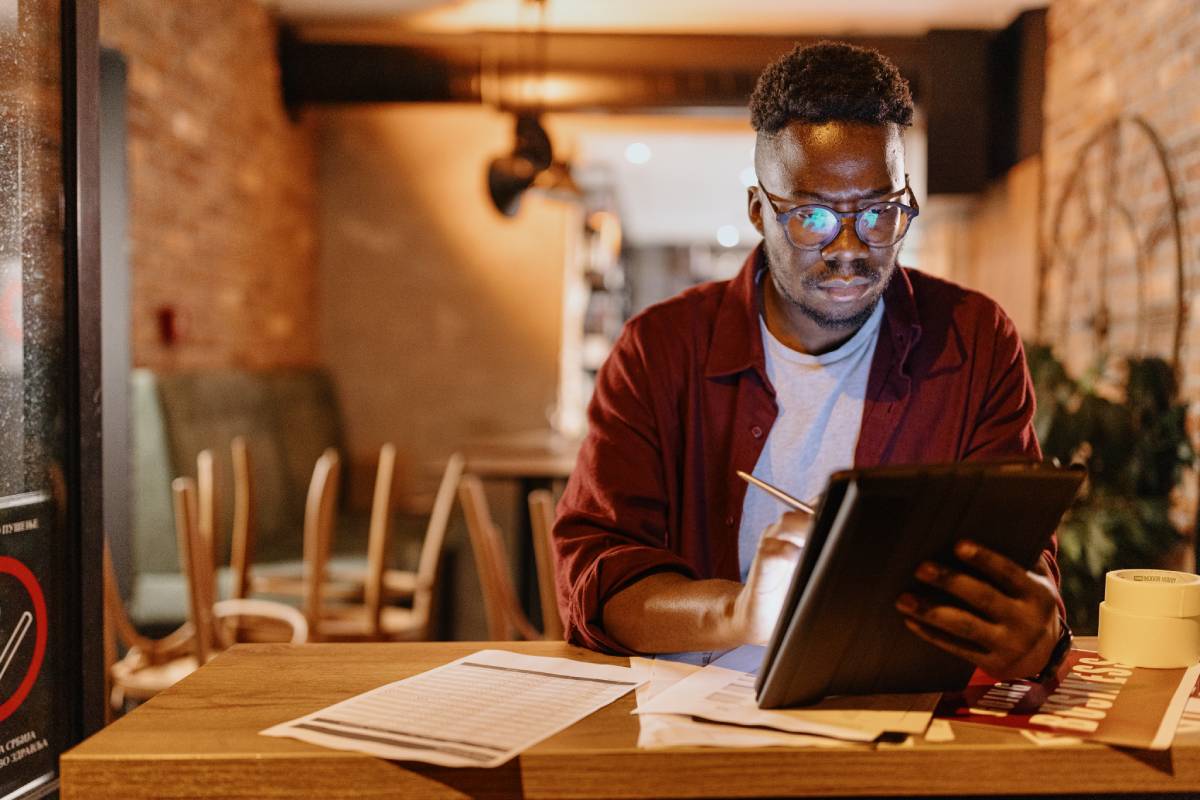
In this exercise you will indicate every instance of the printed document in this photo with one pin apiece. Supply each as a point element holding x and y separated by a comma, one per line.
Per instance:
<point>1092,698</point>
<point>478,711</point>
<point>1189,721</point>
<point>727,695</point>
<point>677,730</point>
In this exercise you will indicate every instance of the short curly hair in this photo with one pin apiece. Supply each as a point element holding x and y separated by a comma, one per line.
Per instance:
<point>830,82</point>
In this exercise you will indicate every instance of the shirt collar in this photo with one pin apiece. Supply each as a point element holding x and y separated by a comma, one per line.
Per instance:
<point>737,342</point>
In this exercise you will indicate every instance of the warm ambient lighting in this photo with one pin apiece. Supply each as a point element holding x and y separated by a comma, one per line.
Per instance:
<point>607,227</point>
<point>637,153</point>
<point>547,89</point>
<point>728,236</point>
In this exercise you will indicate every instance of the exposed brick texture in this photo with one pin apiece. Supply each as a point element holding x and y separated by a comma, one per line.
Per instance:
<point>222,211</point>
<point>1132,60</point>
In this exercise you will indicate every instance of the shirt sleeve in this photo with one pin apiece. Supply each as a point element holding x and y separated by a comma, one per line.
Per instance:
<point>1004,427</point>
<point>611,529</point>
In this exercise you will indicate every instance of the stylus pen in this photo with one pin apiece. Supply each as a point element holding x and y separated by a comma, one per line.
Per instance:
<point>778,494</point>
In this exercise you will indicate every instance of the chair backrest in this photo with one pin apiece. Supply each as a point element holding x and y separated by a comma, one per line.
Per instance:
<point>114,615</point>
<point>241,543</point>
<point>216,625</point>
<point>505,619</point>
<point>120,631</point>
<point>541,517</point>
<point>141,653</point>
<point>206,504</point>
<point>379,534</point>
<point>319,509</point>
<point>289,415</point>
<point>195,557</point>
<point>117,627</point>
<point>434,542</point>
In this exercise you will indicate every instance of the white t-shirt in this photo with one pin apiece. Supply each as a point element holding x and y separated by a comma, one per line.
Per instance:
<point>820,402</point>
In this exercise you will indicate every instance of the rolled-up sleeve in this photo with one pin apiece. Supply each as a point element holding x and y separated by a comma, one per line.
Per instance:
<point>1004,427</point>
<point>610,531</point>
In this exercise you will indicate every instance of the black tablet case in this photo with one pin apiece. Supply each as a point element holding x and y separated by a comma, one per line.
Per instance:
<point>839,631</point>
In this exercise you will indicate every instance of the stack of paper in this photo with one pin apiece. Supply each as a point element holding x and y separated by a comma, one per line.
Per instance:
<point>1092,699</point>
<point>715,705</point>
<point>683,730</point>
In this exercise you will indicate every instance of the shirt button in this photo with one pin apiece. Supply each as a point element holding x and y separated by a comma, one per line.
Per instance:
<point>756,432</point>
<point>729,520</point>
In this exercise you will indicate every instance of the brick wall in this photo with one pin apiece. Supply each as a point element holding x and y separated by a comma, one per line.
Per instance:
<point>222,214</point>
<point>1139,61</point>
<point>1132,60</point>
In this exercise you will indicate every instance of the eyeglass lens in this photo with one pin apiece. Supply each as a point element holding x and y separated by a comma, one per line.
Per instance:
<point>880,225</point>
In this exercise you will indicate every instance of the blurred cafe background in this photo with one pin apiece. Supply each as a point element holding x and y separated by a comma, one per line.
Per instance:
<point>356,255</point>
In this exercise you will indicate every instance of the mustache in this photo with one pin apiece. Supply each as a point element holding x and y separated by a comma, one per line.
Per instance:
<point>834,270</point>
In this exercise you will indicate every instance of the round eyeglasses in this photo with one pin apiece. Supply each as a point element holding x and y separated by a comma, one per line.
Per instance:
<point>813,226</point>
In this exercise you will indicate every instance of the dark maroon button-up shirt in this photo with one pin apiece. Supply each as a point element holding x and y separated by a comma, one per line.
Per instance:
<point>683,401</point>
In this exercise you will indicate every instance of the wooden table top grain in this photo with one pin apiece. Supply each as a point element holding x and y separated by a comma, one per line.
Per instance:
<point>200,739</point>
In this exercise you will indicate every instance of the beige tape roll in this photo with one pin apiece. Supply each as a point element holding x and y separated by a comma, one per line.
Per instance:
<point>1153,592</point>
<point>1144,641</point>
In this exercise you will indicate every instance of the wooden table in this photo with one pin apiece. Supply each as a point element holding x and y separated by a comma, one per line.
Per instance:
<point>199,739</point>
<point>539,455</point>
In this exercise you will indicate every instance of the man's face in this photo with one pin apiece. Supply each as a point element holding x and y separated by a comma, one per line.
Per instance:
<point>842,165</point>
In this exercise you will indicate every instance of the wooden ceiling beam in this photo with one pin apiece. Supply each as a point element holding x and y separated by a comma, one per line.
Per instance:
<point>581,71</point>
<point>980,90</point>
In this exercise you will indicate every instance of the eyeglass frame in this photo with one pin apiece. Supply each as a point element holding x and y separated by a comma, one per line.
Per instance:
<point>781,216</point>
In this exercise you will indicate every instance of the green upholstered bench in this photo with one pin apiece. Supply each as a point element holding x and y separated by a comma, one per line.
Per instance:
<point>288,416</point>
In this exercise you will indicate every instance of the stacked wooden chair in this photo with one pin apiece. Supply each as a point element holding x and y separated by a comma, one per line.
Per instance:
<point>350,604</point>
<point>541,516</point>
<point>377,618</point>
<point>151,665</point>
<point>505,618</point>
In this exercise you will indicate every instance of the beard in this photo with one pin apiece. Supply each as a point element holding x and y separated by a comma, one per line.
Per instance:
<point>860,268</point>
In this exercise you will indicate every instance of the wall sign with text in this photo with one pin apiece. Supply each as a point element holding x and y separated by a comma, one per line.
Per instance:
<point>27,548</point>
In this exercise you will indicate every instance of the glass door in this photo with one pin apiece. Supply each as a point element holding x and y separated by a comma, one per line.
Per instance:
<point>51,671</point>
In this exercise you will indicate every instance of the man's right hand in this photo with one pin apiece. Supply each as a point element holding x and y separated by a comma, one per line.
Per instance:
<point>760,601</point>
<point>669,613</point>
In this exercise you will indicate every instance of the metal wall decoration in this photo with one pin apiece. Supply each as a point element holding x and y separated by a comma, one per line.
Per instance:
<point>1112,279</point>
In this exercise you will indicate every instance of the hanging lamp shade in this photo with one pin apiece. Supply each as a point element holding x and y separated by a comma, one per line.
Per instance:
<point>509,176</point>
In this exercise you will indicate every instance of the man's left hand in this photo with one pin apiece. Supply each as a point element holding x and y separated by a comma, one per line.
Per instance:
<point>1013,624</point>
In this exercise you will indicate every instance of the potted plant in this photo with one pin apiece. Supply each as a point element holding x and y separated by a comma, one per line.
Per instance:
<point>1131,434</point>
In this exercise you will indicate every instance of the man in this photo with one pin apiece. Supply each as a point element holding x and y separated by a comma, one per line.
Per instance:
<point>820,354</point>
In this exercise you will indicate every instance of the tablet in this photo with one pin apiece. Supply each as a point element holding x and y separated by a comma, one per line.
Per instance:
<point>839,631</point>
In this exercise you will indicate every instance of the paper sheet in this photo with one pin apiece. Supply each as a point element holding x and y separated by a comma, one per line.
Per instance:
<point>677,730</point>
<point>1189,721</point>
<point>1092,698</point>
<point>939,732</point>
<point>726,695</point>
<point>478,711</point>
<point>1043,739</point>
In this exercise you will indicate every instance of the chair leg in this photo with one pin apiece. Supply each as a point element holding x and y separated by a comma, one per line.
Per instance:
<point>116,704</point>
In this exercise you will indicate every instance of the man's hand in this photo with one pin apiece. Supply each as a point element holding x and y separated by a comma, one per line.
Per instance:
<point>1014,625</point>
<point>759,602</point>
<point>666,612</point>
